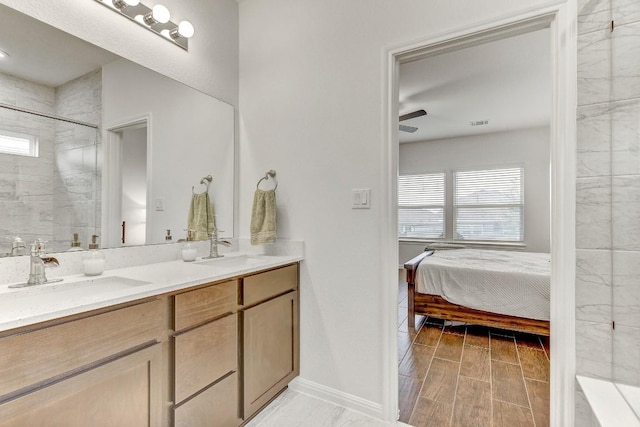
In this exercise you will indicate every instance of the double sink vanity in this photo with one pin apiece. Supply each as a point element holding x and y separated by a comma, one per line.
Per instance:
<point>167,344</point>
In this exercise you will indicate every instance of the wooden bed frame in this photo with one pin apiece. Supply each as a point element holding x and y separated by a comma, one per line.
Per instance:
<point>436,306</point>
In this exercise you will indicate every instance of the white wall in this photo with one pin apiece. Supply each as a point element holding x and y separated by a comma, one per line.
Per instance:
<point>211,65</point>
<point>312,81</point>
<point>191,137</point>
<point>527,147</point>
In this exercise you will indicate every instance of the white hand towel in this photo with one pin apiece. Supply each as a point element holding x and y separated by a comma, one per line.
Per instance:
<point>263,217</point>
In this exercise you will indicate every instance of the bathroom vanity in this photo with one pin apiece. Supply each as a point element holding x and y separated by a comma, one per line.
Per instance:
<point>186,343</point>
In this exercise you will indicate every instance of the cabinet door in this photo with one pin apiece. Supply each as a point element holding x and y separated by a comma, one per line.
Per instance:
<point>217,406</point>
<point>270,344</point>
<point>124,392</point>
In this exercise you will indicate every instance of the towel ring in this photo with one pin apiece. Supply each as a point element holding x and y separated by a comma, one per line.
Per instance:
<point>206,181</point>
<point>271,174</point>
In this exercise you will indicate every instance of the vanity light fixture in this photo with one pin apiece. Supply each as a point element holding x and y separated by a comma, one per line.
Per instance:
<point>156,19</point>
<point>121,4</point>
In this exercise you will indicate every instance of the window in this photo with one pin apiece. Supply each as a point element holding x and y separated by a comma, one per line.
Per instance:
<point>421,205</point>
<point>488,205</point>
<point>18,144</point>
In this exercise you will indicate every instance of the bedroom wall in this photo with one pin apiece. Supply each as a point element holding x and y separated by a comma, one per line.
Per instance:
<point>526,147</point>
<point>311,91</point>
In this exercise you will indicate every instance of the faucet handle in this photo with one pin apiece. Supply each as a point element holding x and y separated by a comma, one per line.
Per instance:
<point>37,247</point>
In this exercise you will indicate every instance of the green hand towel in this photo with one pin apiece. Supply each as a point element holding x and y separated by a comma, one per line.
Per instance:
<point>263,217</point>
<point>201,221</point>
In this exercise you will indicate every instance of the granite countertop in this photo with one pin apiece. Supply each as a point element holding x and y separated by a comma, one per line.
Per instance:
<point>79,293</point>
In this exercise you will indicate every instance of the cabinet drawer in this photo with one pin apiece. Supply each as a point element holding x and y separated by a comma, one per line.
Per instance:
<point>204,354</point>
<point>39,355</point>
<point>200,305</point>
<point>260,287</point>
<point>217,406</point>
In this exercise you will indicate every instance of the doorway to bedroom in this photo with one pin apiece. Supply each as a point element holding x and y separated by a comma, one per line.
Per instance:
<point>474,204</point>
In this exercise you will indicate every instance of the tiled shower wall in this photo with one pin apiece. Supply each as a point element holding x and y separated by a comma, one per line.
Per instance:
<point>77,186</point>
<point>608,194</point>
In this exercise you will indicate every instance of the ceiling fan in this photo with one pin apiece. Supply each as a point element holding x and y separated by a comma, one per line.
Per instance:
<point>412,115</point>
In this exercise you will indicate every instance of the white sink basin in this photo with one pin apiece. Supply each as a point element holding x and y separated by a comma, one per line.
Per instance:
<point>109,282</point>
<point>237,261</point>
<point>70,290</point>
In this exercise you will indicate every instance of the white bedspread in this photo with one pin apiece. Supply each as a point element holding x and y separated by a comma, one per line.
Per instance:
<point>504,282</point>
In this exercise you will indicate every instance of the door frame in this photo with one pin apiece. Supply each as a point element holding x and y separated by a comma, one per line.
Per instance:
<point>560,17</point>
<point>111,176</point>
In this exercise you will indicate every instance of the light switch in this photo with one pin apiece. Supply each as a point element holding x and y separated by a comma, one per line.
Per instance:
<point>361,198</point>
<point>159,204</point>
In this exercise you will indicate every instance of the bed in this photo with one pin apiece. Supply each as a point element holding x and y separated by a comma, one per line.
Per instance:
<point>504,289</point>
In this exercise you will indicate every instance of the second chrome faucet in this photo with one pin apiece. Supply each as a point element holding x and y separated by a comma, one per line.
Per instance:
<point>213,245</point>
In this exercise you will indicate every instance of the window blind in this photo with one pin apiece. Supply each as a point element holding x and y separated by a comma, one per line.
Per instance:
<point>421,205</point>
<point>489,205</point>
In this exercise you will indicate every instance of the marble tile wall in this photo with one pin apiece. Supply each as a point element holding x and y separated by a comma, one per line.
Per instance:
<point>77,185</point>
<point>608,194</point>
<point>26,189</point>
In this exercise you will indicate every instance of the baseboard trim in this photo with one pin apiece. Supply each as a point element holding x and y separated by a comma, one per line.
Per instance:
<point>337,397</point>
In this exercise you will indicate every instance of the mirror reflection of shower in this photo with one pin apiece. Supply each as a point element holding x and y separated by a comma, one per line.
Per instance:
<point>48,181</point>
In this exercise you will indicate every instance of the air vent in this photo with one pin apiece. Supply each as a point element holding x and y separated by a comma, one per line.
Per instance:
<point>479,123</point>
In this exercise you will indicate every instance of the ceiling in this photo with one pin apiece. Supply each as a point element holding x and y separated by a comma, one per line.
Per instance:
<point>47,55</point>
<point>505,82</point>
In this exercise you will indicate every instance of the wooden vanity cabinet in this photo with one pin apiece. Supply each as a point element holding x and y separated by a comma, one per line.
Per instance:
<point>205,357</point>
<point>212,355</point>
<point>270,335</point>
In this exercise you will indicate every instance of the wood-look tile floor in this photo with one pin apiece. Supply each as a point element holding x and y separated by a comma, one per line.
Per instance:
<point>470,375</point>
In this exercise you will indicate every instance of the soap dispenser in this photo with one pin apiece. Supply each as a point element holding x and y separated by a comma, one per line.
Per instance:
<point>93,261</point>
<point>189,251</point>
<point>75,244</point>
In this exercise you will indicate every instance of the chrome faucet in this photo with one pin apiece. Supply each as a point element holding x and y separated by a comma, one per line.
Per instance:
<point>37,265</point>
<point>213,245</point>
<point>38,261</point>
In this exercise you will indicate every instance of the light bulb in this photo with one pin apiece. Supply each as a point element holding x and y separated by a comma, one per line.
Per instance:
<point>160,14</point>
<point>184,29</point>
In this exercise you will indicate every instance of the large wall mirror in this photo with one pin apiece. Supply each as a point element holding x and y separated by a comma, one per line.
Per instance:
<point>93,144</point>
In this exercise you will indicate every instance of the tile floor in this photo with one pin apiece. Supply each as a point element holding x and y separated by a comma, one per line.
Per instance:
<point>293,409</point>
<point>470,375</point>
